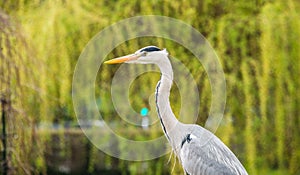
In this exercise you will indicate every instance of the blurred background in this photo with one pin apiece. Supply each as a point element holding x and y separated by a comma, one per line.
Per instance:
<point>40,41</point>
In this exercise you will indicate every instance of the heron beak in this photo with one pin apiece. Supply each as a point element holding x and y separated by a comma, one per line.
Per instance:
<point>122,59</point>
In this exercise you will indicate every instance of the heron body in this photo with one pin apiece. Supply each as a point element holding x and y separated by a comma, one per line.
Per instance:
<point>200,152</point>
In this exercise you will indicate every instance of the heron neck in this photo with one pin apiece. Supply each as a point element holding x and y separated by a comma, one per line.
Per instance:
<point>165,113</point>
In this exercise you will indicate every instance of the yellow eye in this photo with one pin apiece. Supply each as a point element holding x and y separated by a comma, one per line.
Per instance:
<point>144,54</point>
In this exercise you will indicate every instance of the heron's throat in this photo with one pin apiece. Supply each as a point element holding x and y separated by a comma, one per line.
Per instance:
<point>165,113</point>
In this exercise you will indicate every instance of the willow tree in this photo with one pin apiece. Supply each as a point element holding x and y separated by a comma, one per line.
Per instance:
<point>17,83</point>
<point>278,82</point>
<point>258,47</point>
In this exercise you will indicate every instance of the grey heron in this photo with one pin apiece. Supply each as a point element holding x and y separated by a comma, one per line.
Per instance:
<point>199,151</point>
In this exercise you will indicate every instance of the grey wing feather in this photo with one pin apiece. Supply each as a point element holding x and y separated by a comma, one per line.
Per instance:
<point>210,158</point>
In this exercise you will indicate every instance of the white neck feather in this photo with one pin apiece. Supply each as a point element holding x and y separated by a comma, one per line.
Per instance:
<point>165,113</point>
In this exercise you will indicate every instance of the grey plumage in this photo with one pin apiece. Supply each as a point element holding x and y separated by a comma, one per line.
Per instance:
<point>203,153</point>
<point>199,151</point>
<point>206,154</point>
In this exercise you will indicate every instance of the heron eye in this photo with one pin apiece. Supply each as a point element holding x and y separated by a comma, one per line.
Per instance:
<point>144,54</point>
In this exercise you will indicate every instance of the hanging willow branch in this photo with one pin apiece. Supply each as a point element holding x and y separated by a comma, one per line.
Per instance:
<point>16,123</point>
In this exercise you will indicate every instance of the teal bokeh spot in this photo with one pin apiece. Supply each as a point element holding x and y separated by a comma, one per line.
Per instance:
<point>144,111</point>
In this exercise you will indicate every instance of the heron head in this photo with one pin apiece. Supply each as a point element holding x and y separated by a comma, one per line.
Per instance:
<point>146,55</point>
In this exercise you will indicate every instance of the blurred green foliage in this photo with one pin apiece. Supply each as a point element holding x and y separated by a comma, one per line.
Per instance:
<point>257,43</point>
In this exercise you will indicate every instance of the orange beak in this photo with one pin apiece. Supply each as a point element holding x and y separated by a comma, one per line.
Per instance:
<point>122,59</point>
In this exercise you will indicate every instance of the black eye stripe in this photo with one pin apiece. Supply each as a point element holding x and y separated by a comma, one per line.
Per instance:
<point>150,49</point>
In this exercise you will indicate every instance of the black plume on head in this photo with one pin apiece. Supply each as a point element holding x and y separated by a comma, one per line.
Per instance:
<point>150,49</point>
